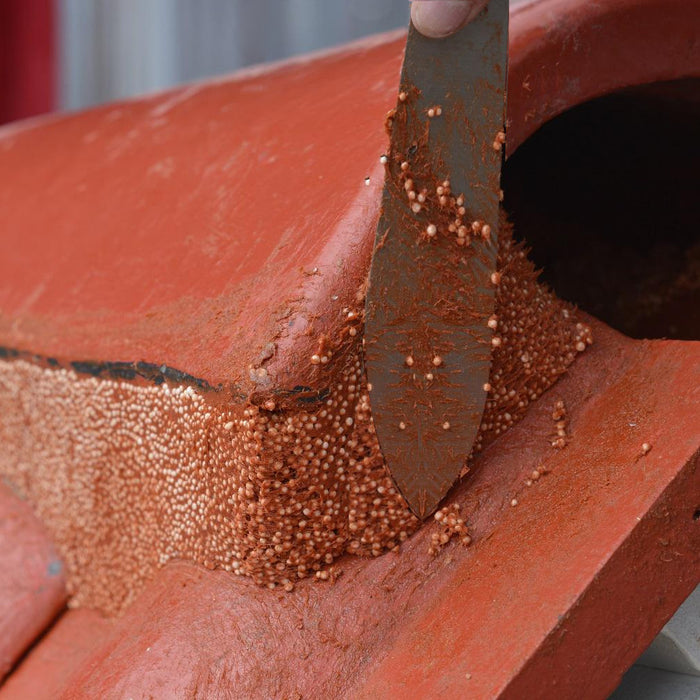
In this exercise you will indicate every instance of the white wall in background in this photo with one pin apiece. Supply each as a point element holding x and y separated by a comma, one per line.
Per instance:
<point>111,49</point>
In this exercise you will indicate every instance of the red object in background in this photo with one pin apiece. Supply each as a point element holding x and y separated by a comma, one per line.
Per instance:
<point>27,58</point>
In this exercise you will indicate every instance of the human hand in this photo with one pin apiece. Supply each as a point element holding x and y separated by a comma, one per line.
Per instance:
<point>440,18</point>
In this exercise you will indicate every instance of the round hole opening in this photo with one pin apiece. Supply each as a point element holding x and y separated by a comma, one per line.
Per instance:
<point>606,196</point>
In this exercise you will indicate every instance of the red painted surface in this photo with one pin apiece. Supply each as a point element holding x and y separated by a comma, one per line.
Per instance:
<point>565,52</point>
<point>574,582</point>
<point>179,228</point>
<point>27,58</point>
<point>68,644</point>
<point>163,220</point>
<point>555,598</point>
<point>31,579</point>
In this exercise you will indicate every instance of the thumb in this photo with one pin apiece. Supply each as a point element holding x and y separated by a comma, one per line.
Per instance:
<point>440,18</point>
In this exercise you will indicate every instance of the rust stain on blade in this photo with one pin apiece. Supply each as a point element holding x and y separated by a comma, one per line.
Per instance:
<point>433,274</point>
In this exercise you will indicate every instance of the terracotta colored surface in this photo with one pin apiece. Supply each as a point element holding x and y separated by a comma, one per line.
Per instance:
<point>31,579</point>
<point>149,191</point>
<point>567,52</point>
<point>159,277</point>
<point>581,575</point>
<point>555,598</point>
<point>72,639</point>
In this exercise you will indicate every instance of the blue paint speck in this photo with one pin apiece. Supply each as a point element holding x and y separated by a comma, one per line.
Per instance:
<point>55,568</point>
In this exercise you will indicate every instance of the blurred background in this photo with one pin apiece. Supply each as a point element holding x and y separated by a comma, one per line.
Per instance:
<point>70,54</point>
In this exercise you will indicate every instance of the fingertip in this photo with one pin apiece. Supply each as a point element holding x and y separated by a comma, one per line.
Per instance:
<point>440,18</point>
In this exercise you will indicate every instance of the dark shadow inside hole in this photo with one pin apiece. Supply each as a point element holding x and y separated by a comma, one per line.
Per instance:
<point>607,195</point>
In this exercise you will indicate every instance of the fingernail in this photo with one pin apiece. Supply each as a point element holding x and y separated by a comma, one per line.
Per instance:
<point>440,18</point>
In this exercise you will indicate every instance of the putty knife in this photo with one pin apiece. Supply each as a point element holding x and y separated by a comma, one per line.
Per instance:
<point>432,283</point>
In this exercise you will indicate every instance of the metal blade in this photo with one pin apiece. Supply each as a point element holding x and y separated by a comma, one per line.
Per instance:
<point>432,290</point>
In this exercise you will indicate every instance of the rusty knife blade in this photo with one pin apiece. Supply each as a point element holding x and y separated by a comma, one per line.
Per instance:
<point>432,283</point>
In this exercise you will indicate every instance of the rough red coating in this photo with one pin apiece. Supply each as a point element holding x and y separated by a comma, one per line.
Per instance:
<point>32,579</point>
<point>128,477</point>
